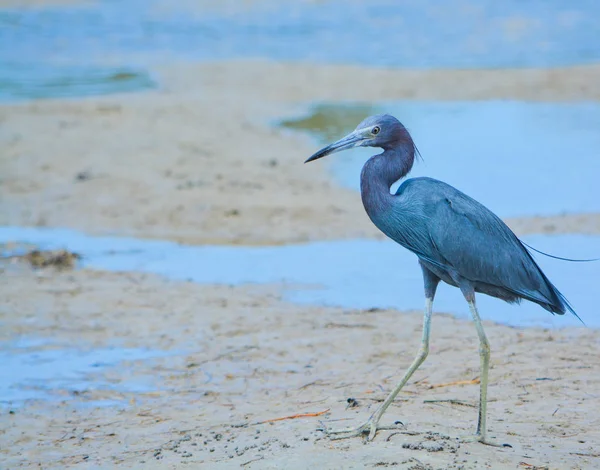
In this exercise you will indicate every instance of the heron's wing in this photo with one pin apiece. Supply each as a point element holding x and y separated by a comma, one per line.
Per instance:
<point>468,237</point>
<point>452,231</point>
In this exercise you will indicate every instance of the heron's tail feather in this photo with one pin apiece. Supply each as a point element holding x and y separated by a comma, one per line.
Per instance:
<point>558,257</point>
<point>551,298</point>
<point>560,305</point>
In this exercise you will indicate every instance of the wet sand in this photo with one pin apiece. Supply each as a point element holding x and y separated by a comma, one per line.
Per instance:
<point>242,356</point>
<point>199,161</point>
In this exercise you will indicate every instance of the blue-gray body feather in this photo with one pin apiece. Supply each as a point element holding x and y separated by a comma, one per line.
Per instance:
<point>459,239</point>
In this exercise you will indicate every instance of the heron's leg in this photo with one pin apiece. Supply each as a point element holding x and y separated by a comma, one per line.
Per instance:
<point>484,355</point>
<point>372,425</point>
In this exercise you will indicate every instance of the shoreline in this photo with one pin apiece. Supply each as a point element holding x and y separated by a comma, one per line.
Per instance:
<point>200,161</point>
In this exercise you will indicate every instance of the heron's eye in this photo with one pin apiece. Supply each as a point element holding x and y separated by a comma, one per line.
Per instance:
<point>375,130</point>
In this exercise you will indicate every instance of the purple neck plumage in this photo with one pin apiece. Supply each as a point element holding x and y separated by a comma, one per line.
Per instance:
<point>383,170</point>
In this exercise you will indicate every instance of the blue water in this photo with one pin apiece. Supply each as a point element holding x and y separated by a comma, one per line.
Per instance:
<point>35,369</point>
<point>84,46</point>
<point>517,158</point>
<point>412,33</point>
<point>352,273</point>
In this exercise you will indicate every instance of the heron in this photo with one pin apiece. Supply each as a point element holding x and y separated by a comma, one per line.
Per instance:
<point>457,240</point>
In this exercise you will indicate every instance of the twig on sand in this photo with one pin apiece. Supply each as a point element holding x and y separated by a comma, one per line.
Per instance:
<point>223,355</point>
<point>409,433</point>
<point>531,466</point>
<point>451,401</point>
<point>250,461</point>
<point>310,384</point>
<point>299,415</point>
<point>458,382</point>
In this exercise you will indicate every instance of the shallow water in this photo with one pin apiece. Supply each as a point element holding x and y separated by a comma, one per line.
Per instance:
<point>517,158</point>
<point>351,273</point>
<point>415,33</point>
<point>18,82</point>
<point>35,369</point>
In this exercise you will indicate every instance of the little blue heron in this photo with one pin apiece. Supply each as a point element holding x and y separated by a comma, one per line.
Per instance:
<point>456,239</point>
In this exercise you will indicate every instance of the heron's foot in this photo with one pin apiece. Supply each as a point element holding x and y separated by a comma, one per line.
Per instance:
<point>482,439</point>
<point>367,430</point>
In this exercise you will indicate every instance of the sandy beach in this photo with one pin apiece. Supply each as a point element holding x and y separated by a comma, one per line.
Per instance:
<point>241,356</point>
<point>200,160</point>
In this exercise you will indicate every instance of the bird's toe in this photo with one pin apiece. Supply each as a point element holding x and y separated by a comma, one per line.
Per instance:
<point>368,430</point>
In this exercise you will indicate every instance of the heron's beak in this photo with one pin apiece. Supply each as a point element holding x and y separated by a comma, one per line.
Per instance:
<point>355,139</point>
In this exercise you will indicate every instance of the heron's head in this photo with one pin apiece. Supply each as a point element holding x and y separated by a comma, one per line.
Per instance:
<point>381,130</point>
